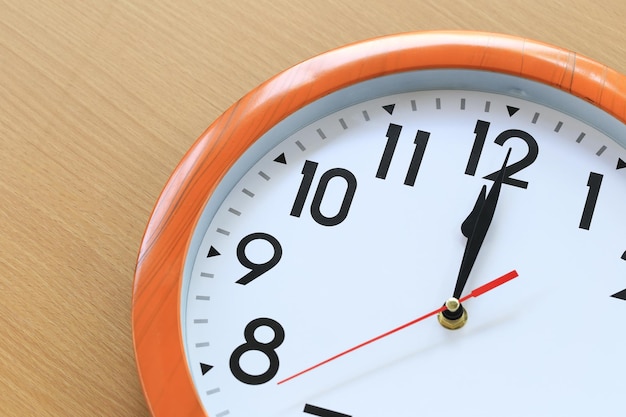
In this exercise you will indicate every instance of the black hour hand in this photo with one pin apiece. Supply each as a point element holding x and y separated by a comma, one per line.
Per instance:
<point>469,223</point>
<point>476,225</point>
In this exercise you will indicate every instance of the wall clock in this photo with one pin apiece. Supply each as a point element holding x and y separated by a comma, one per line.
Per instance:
<point>402,226</point>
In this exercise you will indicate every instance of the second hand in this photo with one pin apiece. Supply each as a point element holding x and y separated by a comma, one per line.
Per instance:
<point>475,293</point>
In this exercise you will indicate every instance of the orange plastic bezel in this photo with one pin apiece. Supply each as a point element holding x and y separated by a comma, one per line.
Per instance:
<point>156,301</point>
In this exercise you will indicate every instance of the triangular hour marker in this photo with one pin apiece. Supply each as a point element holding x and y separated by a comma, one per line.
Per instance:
<point>213,252</point>
<point>512,110</point>
<point>389,108</point>
<point>205,368</point>
<point>621,163</point>
<point>281,159</point>
<point>621,295</point>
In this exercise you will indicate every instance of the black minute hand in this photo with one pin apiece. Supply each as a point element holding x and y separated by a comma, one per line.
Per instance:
<point>475,227</point>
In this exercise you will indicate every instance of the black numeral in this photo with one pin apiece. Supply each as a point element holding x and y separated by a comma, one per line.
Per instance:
<point>256,269</point>
<point>393,134</point>
<point>268,349</point>
<point>594,182</point>
<point>481,130</point>
<point>421,140</point>
<point>308,174</point>
<point>322,412</point>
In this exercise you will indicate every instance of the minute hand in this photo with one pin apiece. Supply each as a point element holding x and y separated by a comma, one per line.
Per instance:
<point>476,225</point>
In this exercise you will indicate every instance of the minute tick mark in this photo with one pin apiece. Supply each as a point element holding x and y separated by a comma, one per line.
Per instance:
<point>558,127</point>
<point>535,118</point>
<point>223,231</point>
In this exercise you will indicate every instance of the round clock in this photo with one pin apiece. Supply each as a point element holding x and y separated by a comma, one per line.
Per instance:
<point>412,225</point>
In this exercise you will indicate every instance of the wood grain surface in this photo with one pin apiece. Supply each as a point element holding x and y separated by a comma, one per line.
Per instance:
<point>100,99</point>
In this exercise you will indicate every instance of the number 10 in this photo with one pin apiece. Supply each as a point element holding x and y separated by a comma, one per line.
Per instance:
<point>308,172</point>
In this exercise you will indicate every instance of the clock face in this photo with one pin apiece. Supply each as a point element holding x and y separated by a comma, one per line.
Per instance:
<point>344,223</point>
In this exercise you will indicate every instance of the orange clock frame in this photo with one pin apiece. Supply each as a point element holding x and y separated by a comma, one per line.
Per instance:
<point>156,302</point>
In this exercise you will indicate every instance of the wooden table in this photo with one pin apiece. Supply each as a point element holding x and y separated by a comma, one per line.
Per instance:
<point>100,99</point>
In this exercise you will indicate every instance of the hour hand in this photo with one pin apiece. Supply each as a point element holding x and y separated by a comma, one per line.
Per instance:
<point>470,222</point>
<point>476,225</point>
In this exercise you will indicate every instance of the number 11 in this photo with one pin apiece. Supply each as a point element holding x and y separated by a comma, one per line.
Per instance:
<point>393,134</point>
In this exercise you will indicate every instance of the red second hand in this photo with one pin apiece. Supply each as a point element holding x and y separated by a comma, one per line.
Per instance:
<point>475,293</point>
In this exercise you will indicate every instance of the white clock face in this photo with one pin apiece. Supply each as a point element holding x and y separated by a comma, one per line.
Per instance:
<point>347,225</point>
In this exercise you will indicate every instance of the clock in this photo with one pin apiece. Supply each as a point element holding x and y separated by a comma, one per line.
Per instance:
<point>412,225</point>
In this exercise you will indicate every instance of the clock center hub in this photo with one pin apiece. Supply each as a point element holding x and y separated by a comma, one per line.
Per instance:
<point>455,315</point>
